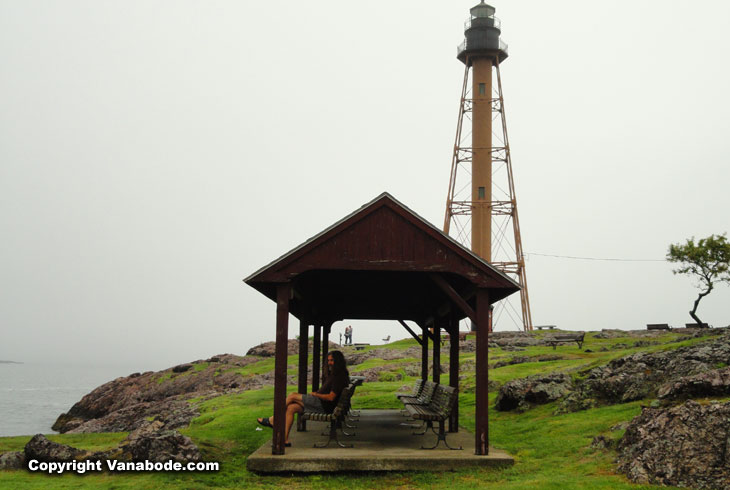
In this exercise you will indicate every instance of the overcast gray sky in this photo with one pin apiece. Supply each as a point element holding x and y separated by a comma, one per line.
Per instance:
<point>153,154</point>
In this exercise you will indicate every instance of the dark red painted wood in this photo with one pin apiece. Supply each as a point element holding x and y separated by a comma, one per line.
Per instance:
<point>424,352</point>
<point>436,373</point>
<point>374,264</point>
<point>315,357</point>
<point>383,236</point>
<point>481,436</point>
<point>453,329</point>
<point>408,329</point>
<point>303,364</point>
<point>453,295</point>
<point>325,350</point>
<point>282,333</point>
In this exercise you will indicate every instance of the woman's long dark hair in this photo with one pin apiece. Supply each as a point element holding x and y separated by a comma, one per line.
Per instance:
<point>340,363</point>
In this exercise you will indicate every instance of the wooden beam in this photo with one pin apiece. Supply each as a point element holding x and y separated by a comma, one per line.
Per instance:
<point>453,329</point>
<point>424,353</point>
<point>436,370</point>
<point>481,436</point>
<point>455,297</point>
<point>283,292</point>
<point>413,334</point>
<point>303,364</point>
<point>325,350</point>
<point>315,357</point>
<point>424,325</point>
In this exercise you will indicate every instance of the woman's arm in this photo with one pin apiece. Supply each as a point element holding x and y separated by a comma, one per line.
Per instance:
<point>330,397</point>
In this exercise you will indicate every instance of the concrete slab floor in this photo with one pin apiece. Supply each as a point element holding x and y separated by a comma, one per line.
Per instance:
<point>383,441</point>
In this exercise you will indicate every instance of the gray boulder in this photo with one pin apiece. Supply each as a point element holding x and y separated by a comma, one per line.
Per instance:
<point>152,442</point>
<point>12,461</point>
<point>42,449</point>
<point>522,394</point>
<point>711,383</point>
<point>682,446</point>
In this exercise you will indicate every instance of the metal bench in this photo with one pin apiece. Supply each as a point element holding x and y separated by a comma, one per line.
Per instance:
<point>658,326</point>
<point>416,390</point>
<point>423,398</point>
<point>336,418</point>
<point>438,410</point>
<point>578,338</point>
<point>696,325</point>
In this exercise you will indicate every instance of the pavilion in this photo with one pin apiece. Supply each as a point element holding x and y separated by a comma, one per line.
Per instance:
<point>383,262</point>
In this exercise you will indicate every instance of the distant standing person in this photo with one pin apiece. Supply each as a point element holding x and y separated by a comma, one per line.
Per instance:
<point>348,335</point>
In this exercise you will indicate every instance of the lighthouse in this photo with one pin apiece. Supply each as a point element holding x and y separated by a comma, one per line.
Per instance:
<point>481,202</point>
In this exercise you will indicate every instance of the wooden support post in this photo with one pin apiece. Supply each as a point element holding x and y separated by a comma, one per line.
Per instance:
<point>315,357</point>
<point>436,374</point>
<point>453,329</point>
<point>424,352</point>
<point>325,349</point>
<point>282,333</point>
<point>481,435</point>
<point>303,365</point>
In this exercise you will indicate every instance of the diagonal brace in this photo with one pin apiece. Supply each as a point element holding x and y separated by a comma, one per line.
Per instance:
<point>455,297</point>
<point>413,334</point>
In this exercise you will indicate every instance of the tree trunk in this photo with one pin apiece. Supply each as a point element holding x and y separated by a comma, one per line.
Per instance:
<point>697,304</point>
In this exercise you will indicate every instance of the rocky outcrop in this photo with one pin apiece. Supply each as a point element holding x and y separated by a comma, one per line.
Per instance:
<point>610,333</point>
<point>42,449</point>
<point>711,383</point>
<point>124,403</point>
<point>153,443</point>
<point>684,446</point>
<point>522,394</point>
<point>12,461</point>
<point>524,359</point>
<point>516,339</point>
<point>641,375</point>
<point>150,442</point>
<point>358,357</point>
<point>268,349</point>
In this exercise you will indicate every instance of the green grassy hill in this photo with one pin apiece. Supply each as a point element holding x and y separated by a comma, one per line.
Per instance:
<point>550,451</point>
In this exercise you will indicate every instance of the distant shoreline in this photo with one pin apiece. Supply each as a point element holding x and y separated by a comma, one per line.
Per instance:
<point>10,362</point>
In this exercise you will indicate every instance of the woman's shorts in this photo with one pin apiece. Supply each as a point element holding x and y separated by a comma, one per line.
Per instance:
<point>312,403</point>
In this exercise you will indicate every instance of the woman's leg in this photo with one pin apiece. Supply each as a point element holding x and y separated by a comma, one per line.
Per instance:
<point>290,411</point>
<point>292,399</point>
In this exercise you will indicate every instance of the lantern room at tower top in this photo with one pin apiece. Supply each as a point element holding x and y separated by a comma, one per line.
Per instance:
<point>481,33</point>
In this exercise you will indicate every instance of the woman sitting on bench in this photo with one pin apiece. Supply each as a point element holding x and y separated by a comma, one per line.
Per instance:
<point>323,400</point>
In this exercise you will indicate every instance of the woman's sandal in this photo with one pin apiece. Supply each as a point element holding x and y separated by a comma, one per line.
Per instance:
<point>265,422</point>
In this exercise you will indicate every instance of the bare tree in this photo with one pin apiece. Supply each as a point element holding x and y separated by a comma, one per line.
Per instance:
<point>708,261</point>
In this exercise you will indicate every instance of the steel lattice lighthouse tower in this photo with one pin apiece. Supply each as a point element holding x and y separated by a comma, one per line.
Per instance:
<point>481,203</point>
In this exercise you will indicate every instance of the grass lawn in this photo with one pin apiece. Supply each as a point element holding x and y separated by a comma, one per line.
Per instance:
<point>550,451</point>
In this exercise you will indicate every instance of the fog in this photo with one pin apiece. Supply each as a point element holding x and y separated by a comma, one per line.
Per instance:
<point>153,154</point>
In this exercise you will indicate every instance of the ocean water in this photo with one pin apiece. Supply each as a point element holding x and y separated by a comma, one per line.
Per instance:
<point>33,395</point>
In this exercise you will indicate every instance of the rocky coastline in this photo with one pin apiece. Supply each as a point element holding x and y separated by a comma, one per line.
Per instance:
<point>681,439</point>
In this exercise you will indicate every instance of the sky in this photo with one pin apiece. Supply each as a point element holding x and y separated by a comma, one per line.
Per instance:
<point>155,153</point>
